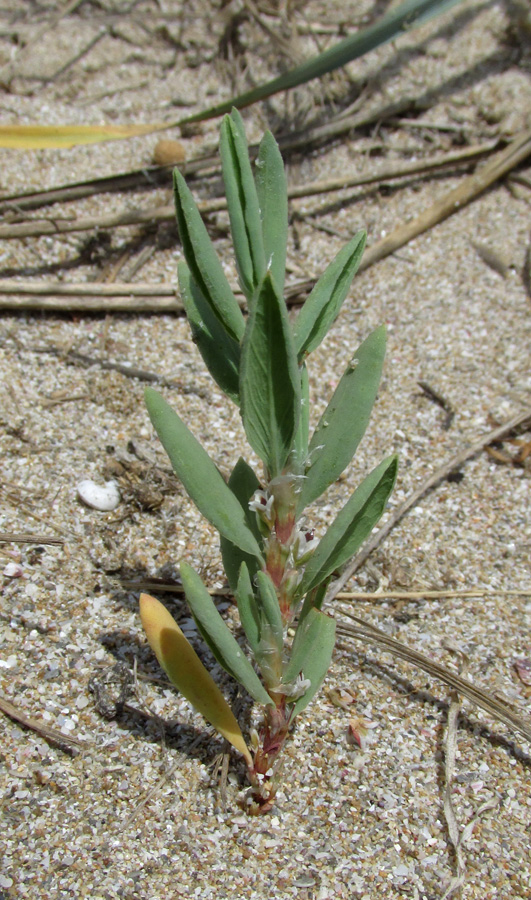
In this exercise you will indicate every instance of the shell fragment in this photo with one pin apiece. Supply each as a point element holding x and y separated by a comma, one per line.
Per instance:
<point>105,498</point>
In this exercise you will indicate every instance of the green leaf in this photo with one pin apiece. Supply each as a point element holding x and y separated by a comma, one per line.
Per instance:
<point>203,261</point>
<point>186,671</point>
<point>322,306</point>
<point>345,419</point>
<point>311,654</point>
<point>271,187</point>
<point>352,526</point>
<point>219,350</point>
<point>200,477</point>
<point>218,635</point>
<point>314,599</point>
<point>242,202</point>
<point>248,608</point>
<point>269,608</point>
<point>303,430</point>
<point>243,483</point>
<point>270,388</point>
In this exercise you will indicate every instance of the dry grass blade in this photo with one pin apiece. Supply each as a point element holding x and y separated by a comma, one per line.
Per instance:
<point>153,176</point>
<point>42,137</point>
<point>361,630</point>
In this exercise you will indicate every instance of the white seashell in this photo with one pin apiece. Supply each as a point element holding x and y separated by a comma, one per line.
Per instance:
<point>103,498</point>
<point>13,570</point>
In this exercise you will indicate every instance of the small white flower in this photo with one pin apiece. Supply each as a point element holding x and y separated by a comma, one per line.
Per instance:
<point>294,689</point>
<point>303,546</point>
<point>262,503</point>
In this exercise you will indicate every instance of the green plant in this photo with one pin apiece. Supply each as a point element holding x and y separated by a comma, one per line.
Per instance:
<point>277,569</point>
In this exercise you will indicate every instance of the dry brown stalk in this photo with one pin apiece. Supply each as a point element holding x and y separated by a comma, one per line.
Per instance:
<point>95,297</point>
<point>51,734</point>
<point>371,596</point>
<point>467,191</point>
<point>38,227</point>
<point>15,537</point>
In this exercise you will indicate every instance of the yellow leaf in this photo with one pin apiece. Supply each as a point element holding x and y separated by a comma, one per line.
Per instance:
<point>42,137</point>
<point>184,668</point>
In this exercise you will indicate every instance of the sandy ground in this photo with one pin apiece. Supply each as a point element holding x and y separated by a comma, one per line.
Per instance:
<point>136,810</point>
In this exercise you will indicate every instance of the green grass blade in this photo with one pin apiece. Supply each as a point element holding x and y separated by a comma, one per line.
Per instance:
<point>345,419</point>
<point>242,203</point>
<point>199,475</point>
<point>405,17</point>
<point>270,385</point>
<point>322,307</point>
<point>203,260</point>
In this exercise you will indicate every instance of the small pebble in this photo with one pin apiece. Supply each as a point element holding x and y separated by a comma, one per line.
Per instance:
<point>104,498</point>
<point>168,153</point>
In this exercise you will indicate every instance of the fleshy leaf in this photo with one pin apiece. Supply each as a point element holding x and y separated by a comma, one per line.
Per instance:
<point>186,671</point>
<point>352,526</point>
<point>243,483</point>
<point>312,650</point>
<point>248,608</point>
<point>200,477</point>
<point>272,190</point>
<point>219,350</point>
<point>269,608</point>
<point>242,202</point>
<point>345,419</point>
<point>203,261</point>
<point>270,390</point>
<point>303,430</point>
<point>324,303</point>
<point>218,635</point>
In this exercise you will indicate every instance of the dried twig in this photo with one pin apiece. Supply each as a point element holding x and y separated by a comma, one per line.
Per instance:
<point>15,537</point>
<point>439,475</point>
<point>440,400</point>
<point>103,32</point>
<point>470,188</point>
<point>118,296</point>
<point>371,596</point>
<point>449,773</point>
<point>51,734</point>
<point>38,227</point>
